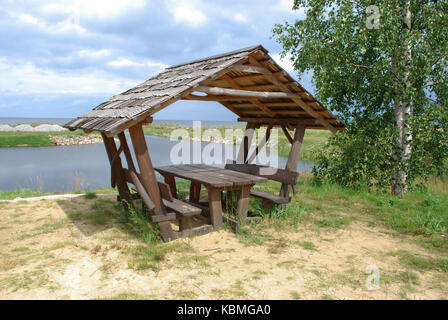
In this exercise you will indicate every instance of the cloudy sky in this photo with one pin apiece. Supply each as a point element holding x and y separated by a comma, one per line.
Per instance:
<point>61,58</point>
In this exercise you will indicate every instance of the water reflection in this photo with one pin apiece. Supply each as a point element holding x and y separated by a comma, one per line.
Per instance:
<point>68,168</point>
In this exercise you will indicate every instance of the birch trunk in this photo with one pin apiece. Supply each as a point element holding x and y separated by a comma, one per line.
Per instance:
<point>403,110</point>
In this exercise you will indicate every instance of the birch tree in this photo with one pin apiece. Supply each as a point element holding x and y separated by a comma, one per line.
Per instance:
<point>382,67</point>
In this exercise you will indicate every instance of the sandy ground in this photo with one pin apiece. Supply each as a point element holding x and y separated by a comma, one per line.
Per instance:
<point>49,250</point>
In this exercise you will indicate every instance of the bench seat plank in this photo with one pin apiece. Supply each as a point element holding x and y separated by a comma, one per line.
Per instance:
<point>185,209</point>
<point>268,196</point>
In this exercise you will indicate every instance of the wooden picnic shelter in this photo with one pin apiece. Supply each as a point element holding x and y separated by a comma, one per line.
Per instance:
<point>249,83</point>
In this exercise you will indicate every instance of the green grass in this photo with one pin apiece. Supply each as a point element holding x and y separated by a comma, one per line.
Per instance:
<point>32,139</point>
<point>420,263</point>
<point>421,213</point>
<point>28,193</point>
<point>90,195</point>
<point>21,193</point>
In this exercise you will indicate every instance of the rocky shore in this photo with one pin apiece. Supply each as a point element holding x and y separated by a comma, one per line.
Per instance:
<point>62,140</point>
<point>29,128</point>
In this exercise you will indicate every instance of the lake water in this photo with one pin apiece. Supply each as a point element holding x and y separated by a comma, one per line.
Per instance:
<point>67,168</point>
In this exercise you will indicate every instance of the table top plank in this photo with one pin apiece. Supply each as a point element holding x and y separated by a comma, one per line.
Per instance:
<point>211,176</point>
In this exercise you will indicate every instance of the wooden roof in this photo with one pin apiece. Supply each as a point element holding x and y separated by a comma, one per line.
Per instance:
<point>248,82</point>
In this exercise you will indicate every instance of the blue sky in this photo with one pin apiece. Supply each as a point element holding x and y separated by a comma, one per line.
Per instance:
<point>62,58</point>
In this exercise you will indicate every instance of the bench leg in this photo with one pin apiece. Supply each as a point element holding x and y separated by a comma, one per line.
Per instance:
<point>243,203</point>
<point>214,198</point>
<point>169,180</point>
<point>185,223</point>
<point>195,192</point>
<point>267,205</point>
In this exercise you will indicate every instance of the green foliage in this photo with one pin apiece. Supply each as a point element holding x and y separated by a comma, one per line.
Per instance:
<point>357,159</point>
<point>362,74</point>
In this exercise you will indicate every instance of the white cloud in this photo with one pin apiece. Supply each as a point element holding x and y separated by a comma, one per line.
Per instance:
<point>240,17</point>
<point>187,12</point>
<point>25,78</point>
<point>286,4</point>
<point>94,53</point>
<point>69,25</point>
<point>101,9</point>
<point>285,62</point>
<point>125,63</point>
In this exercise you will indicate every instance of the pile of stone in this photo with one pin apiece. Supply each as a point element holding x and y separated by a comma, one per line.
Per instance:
<point>28,128</point>
<point>75,140</point>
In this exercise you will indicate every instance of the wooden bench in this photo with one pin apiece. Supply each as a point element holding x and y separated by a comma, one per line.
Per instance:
<point>286,177</point>
<point>176,209</point>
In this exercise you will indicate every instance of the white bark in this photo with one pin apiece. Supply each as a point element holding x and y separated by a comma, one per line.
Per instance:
<point>403,111</point>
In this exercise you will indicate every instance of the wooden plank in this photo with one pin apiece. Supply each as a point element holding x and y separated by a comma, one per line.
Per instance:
<point>161,218</point>
<point>146,169</point>
<point>280,175</point>
<point>268,196</point>
<point>165,191</point>
<point>210,176</point>
<point>171,181</point>
<point>280,121</point>
<point>258,77</point>
<point>247,68</point>
<point>182,207</point>
<point>264,86</point>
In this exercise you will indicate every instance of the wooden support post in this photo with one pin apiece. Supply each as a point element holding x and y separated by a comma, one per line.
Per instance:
<point>293,158</point>
<point>260,145</point>
<point>146,169</point>
<point>117,169</point>
<point>127,152</point>
<point>246,143</point>
<point>287,135</point>
<point>148,177</point>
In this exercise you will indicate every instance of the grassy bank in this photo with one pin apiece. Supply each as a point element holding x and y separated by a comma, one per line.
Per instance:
<point>32,139</point>
<point>312,141</point>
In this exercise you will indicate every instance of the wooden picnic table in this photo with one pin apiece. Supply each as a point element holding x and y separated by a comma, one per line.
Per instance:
<point>215,181</point>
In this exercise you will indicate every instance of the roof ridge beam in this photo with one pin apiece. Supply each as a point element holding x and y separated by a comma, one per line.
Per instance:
<point>245,93</point>
<point>248,68</point>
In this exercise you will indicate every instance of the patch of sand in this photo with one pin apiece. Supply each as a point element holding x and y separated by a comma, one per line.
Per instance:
<point>46,254</point>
